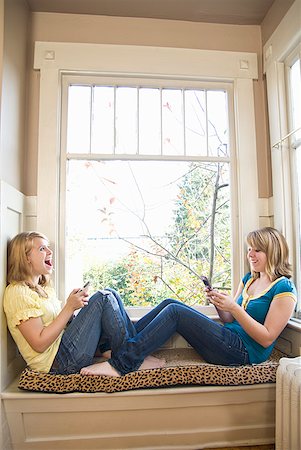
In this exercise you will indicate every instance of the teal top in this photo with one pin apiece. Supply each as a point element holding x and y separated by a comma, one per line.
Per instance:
<point>258,307</point>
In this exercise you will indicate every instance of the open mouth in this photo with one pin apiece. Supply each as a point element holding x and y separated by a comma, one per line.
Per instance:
<point>48,263</point>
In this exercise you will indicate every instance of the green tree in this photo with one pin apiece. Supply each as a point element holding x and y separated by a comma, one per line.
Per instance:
<point>196,244</point>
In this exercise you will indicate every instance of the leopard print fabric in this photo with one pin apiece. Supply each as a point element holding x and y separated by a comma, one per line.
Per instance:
<point>193,374</point>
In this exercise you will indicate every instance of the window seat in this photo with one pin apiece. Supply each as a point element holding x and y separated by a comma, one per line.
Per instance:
<point>193,406</point>
<point>183,367</point>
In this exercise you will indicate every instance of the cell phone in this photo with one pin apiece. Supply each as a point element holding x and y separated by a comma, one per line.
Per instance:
<point>84,286</point>
<point>206,282</point>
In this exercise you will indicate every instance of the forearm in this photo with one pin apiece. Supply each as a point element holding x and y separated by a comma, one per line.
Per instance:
<point>40,337</point>
<point>50,333</point>
<point>225,316</point>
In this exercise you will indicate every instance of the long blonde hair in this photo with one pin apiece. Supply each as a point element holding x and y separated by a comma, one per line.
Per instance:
<point>273,244</point>
<point>18,268</point>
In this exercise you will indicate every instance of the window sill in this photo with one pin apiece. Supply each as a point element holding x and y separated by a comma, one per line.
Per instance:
<point>294,324</point>
<point>135,313</point>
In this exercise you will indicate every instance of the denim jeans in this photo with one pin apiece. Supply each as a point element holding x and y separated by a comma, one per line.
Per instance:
<point>214,342</point>
<point>102,324</point>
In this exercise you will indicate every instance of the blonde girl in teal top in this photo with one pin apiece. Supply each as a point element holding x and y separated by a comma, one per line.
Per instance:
<point>257,306</point>
<point>252,320</point>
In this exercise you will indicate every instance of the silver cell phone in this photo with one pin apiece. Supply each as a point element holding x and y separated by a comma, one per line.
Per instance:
<point>206,282</point>
<point>84,286</point>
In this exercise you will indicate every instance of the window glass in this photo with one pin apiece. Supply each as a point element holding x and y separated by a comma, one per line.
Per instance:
<point>195,122</point>
<point>172,122</point>
<point>217,123</point>
<point>126,120</point>
<point>295,79</point>
<point>150,229</point>
<point>103,120</point>
<point>149,121</point>
<point>294,82</point>
<point>149,212</point>
<point>79,119</point>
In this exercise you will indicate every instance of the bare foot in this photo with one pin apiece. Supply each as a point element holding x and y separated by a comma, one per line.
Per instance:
<point>151,362</point>
<point>158,362</point>
<point>103,368</point>
<point>107,354</point>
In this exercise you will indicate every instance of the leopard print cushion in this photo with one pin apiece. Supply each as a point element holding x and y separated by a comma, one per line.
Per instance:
<point>177,372</point>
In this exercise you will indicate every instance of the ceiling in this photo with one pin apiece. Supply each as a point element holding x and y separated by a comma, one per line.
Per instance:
<point>240,12</point>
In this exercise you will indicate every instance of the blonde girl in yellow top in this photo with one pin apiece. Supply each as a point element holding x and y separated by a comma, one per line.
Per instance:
<point>39,323</point>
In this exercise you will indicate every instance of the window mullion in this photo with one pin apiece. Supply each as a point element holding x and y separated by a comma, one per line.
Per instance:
<point>138,116</point>
<point>161,121</point>
<point>206,124</point>
<point>91,116</point>
<point>184,120</point>
<point>114,115</point>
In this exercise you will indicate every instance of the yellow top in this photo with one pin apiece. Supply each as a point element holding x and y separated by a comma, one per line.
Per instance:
<point>22,303</point>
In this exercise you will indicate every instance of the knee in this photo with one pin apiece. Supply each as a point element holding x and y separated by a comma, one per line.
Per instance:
<point>97,297</point>
<point>113,291</point>
<point>108,297</point>
<point>172,309</point>
<point>103,298</point>
<point>169,301</point>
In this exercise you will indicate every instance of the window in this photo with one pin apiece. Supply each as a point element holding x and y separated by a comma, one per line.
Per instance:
<point>147,187</point>
<point>293,65</point>
<point>179,69</point>
<point>126,120</point>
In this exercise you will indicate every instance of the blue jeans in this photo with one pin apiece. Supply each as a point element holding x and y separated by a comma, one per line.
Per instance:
<point>214,342</point>
<point>102,324</point>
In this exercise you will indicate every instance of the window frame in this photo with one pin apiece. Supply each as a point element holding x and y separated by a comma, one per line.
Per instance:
<point>294,147</point>
<point>89,80</point>
<point>139,82</point>
<point>54,60</point>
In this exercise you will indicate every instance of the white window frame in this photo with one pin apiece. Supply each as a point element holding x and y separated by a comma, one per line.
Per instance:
<point>239,68</point>
<point>89,80</point>
<point>294,146</point>
<point>277,51</point>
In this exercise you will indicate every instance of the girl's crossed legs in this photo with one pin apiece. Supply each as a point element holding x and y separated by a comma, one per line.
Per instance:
<point>215,343</point>
<point>102,323</point>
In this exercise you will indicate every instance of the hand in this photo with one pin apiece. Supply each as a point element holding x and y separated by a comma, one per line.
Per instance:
<point>77,299</point>
<point>220,300</point>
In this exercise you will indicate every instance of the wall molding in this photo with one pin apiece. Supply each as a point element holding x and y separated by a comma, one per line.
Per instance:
<point>30,214</point>
<point>139,60</point>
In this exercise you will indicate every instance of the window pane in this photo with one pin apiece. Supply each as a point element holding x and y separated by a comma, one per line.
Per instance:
<point>218,129</point>
<point>297,161</point>
<point>172,122</point>
<point>195,123</point>
<point>126,120</point>
<point>296,97</point>
<point>79,114</point>
<point>295,107</point>
<point>149,122</point>
<point>103,120</point>
<point>148,229</point>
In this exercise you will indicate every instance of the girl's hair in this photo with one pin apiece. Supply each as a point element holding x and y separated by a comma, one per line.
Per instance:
<point>18,268</point>
<point>273,244</point>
